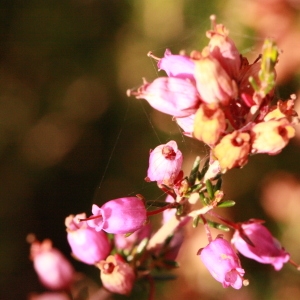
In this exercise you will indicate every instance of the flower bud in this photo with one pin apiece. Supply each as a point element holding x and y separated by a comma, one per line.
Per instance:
<point>173,96</point>
<point>54,270</point>
<point>271,136</point>
<point>233,150</point>
<point>209,123</point>
<point>264,249</point>
<point>223,263</point>
<point>213,83</point>
<point>122,215</point>
<point>87,245</point>
<point>165,163</point>
<point>179,66</point>
<point>116,275</point>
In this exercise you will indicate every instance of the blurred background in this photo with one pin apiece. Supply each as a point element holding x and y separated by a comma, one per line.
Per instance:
<point>70,137</point>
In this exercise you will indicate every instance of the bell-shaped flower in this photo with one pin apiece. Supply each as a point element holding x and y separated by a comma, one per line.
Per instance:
<point>165,163</point>
<point>209,123</point>
<point>233,150</point>
<point>170,95</point>
<point>180,66</point>
<point>53,269</point>
<point>271,136</point>
<point>116,275</point>
<point>223,263</point>
<point>213,83</point>
<point>88,245</point>
<point>255,241</point>
<point>122,215</point>
<point>224,49</point>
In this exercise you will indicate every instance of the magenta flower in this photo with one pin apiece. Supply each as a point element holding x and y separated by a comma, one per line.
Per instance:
<point>170,95</point>
<point>53,269</point>
<point>223,263</point>
<point>165,163</point>
<point>122,215</point>
<point>180,66</point>
<point>88,245</point>
<point>255,241</point>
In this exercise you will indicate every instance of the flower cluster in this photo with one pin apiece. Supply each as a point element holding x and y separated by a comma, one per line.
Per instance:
<point>219,98</point>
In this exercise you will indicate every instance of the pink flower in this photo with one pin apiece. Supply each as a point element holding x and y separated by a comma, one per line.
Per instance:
<point>122,215</point>
<point>177,66</point>
<point>173,96</point>
<point>187,124</point>
<point>49,296</point>
<point>116,275</point>
<point>264,249</point>
<point>87,245</point>
<point>54,270</point>
<point>223,263</point>
<point>165,163</point>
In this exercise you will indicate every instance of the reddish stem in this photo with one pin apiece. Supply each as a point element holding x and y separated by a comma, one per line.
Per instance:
<point>207,230</point>
<point>91,218</point>
<point>159,210</point>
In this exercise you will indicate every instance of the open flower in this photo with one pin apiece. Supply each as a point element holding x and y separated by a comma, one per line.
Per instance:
<point>88,245</point>
<point>54,270</point>
<point>117,275</point>
<point>264,248</point>
<point>122,215</point>
<point>223,263</point>
<point>171,95</point>
<point>165,163</point>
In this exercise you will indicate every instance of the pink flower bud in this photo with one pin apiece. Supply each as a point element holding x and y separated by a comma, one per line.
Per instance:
<point>54,270</point>
<point>213,83</point>
<point>264,249</point>
<point>177,66</point>
<point>223,263</point>
<point>173,96</point>
<point>126,243</point>
<point>116,275</point>
<point>122,215</point>
<point>87,245</point>
<point>209,123</point>
<point>165,163</point>
<point>271,136</point>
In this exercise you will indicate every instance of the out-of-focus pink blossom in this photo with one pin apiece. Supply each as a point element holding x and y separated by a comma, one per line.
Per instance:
<point>125,243</point>
<point>122,215</point>
<point>209,123</point>
<point>54,270</point>
<point>223,263</point>
<point>264,249</point>
<point>271,136</point>
<point>88,245</point>
<point>117,275</point>
<point>170,95</point>
<point>165,163</point>
<point>213,83</point>
<point>180,66</point>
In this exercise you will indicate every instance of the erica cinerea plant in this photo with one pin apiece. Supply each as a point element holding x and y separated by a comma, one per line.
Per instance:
<point>221,99</point>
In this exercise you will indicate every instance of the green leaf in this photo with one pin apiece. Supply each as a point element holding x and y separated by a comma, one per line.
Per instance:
<point>196,221</point>
<point>194,172</point>
<point>226,203</point>
<point>204,170</point>
<point>155,203</point>
<point>218,185</point>
<point>209,188</point>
